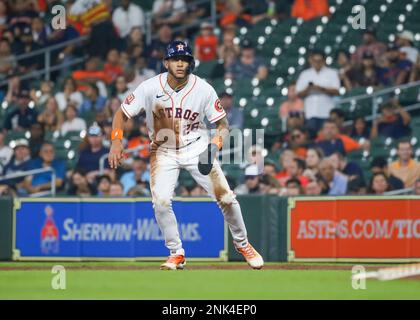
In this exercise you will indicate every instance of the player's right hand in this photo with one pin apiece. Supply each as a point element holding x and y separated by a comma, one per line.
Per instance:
<point>116,154</point>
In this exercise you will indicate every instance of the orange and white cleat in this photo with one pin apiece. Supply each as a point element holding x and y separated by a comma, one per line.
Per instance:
<point>252,257</point>
<point>175,261</point>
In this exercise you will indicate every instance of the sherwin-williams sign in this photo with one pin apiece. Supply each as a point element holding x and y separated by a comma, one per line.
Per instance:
<point>358,228</point>
<point>113,229</point>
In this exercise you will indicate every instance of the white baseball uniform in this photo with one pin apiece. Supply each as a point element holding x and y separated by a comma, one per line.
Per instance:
<point>175,121</point>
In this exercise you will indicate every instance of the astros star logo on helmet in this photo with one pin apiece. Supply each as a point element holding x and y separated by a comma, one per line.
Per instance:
<point>180,47</point>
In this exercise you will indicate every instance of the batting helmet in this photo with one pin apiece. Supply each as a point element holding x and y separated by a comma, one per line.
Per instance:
<point>178,49</point>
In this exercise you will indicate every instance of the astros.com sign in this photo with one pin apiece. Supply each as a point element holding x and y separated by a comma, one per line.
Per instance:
<point>113,228</point>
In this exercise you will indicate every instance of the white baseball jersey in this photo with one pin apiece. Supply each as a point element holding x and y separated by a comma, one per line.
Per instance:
<point>175,119</point>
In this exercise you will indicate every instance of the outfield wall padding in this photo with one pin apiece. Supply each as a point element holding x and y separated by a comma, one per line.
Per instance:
<point>6,228</point>
<point>266,221</point>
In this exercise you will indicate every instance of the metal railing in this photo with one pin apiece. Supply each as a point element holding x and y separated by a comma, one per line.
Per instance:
<point>46,52</point>
<point>376,96</point>
<point>33,172</point>
<point>399,192</point>
<point>213,19</point>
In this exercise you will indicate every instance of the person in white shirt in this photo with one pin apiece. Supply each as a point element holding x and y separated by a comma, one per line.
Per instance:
<point>127,16</point>
<point>405,41</point>
<point>317,86</point>
<point>168,11</point>
<point>72,123</point>
<point>68,94</point>
<point>6,152</point>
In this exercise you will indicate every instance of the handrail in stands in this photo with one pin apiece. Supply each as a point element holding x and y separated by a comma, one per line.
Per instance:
<point>32,172</point>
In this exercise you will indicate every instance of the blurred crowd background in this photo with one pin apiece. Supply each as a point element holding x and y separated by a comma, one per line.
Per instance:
<point>339,105</point>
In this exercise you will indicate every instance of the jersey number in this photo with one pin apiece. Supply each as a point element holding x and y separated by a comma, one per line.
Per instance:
<point>191,127</point>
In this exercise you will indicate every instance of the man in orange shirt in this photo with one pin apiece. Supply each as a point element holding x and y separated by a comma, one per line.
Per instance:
<point>405,168</point>
<point>205,45</point>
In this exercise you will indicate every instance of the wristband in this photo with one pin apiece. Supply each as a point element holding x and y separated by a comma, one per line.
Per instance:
<point>117,134</point>
<point>218,141</point>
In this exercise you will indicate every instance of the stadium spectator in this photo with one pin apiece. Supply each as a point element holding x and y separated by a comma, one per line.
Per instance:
<point>350,169</point>
<point>24,44</point>
<point>69,94</point>
<point>343,60</point>
<point>120,89</point>
<point>270,169</point>
<point>42,181</point>
<point>4,13</point>
<point>398,70</point>
<point>134,39</point>
<point>51,118</point>
<point>103,183</point>
<point>7,59</point>
<point>6,152</point>
<point>356,186</point>
<point>269,185</point>
<point>417,187</point>
<point>360,129</point>
<point>380,165</point>
<point>248,65</point>
<point>228,48</point>
<point>92,100</point>
<point>91,74</point>
<point>405,168</point>
<point>140,190</point>
<point>112,106</point>
<point>112,67</point>
<point>22,116</point>
<point>40,32</point>
<point>116,189</point>
<point>197,190</point>
<point>138,74</point>
<point>37,138</point>
<point>138,174</point>
<point>170,12</point>
<point>313,158</point>
<point>67,54</point>
<point>21,14</point>
<point>415,71</point>
<point>90,156</point>
<point>299,141</point>
<point>252,182</point>
<point>292,104</point>
<point>234,14</point>
<point>310,9</point>
<point>367,74</point>
<point>294,171</point>
<point>205,44</point>
<point>72,122</point>
<point>293,188</point>
<point>313,188</point>
<point>379,184</point>
<point>156,50</point>
<point>41,96</point>
<point>79,186</point>
<point>393,122</point>
<point>234,114</point>
<point>317,86</point>
<point>127,16</point>
<point>338,116</point>
<point>19,162</point>
<point>335,181</point>
<point>369,44</point>
<point>404,41</point>
<point>331,141</point>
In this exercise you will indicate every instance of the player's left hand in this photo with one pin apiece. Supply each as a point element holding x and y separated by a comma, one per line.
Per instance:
<point>206,158</point>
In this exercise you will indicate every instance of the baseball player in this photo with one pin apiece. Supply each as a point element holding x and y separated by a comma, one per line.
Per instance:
<point>175,104</point>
